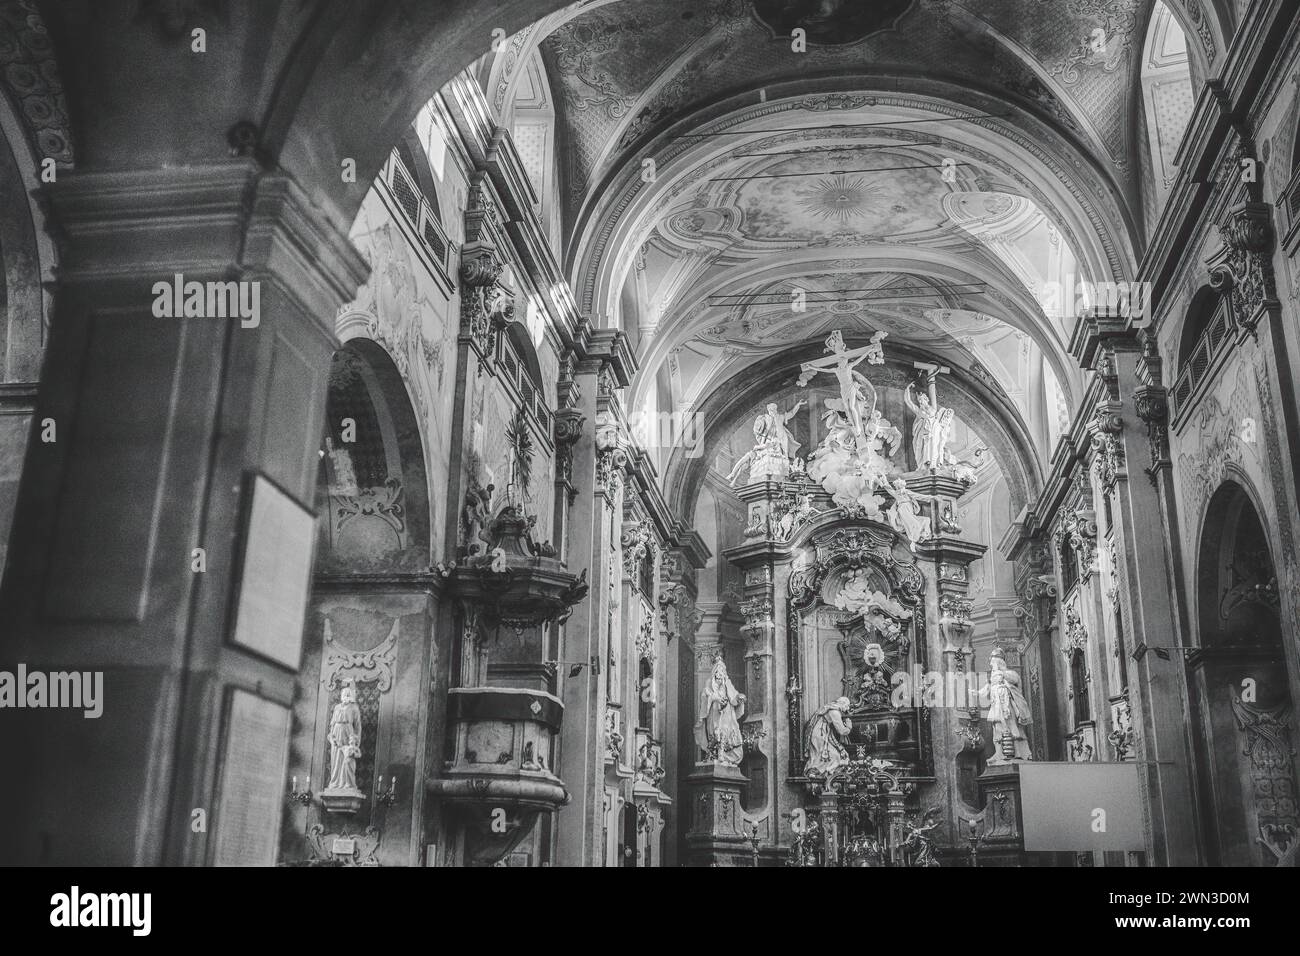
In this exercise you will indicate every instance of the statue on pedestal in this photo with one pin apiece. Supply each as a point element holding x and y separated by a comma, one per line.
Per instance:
<point>717,727</point>
<point>1008,712</point>
<point>827,728</point>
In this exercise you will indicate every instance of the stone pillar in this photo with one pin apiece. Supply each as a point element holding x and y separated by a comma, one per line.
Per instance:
<point>1002,841</point>
<point>598,457</point>
<point>1140,510</point>
<point>716,836</point>
<point>680,618</point>
<point>161,424</point>
<point>949,647</point>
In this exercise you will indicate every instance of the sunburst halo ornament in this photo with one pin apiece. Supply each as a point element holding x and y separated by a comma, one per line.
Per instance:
<point>840,197</point>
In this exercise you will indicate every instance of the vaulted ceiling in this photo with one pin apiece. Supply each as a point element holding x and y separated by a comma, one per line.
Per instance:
<point>922,167</point>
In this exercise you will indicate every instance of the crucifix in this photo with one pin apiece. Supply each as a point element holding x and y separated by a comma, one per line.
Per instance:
<point>857,396</point>
<point>932,372</point>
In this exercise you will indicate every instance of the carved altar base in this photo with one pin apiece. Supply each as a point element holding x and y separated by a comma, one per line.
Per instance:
<point>716,836</point>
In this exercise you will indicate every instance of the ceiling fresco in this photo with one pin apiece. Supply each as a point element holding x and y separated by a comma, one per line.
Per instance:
<point>925,168</point>
<point>627,69</point>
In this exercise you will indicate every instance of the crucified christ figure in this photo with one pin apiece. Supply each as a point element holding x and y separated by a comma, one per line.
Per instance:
<point>857,396</point>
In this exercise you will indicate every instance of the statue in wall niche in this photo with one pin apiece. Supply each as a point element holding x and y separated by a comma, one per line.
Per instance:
<point>717,729</point>
<point>345,477</point>
<point>873,680</point>
<point>773,446</point>
<point>1008,712</point>
<point>345,741</point>
<point>827,729</point>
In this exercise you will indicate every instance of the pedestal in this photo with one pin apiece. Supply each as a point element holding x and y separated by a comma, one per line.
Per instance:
<point>1002,842</point>
<point>716,837</point>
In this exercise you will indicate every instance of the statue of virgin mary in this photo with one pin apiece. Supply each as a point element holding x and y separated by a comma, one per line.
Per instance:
<point>717,729</point>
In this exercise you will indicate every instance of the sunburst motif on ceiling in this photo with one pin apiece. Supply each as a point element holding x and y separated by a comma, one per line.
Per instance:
<point>840,198</point>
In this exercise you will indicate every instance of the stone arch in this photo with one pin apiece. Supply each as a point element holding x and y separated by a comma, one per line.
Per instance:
<point>373,493</point>
<point>1239,691</point>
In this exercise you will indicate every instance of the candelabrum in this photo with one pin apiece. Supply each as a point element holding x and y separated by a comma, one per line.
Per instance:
<point>300,796</point>
<point>974,839</point>
<point>386,798</point>
<point>753,843</point>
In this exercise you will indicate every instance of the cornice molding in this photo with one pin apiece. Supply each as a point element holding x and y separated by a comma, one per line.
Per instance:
<point>219,221</point>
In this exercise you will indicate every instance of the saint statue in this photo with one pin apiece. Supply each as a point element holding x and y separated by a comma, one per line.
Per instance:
<point>717,728</point>
<point>826,731</point>
<point>932,428</point>
<point>770,430</point>
<point>1008,711</point>
<point>774,446</point>
<point>345,741</point>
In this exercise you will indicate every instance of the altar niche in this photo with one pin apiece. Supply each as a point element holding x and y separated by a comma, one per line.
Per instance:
<point>855,619</point>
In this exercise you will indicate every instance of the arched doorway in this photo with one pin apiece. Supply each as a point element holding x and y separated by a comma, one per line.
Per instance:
<point>1241,702</point>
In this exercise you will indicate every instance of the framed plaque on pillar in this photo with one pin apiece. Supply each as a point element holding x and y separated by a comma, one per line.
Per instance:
<point>254,755</point>
<point>274,575</point>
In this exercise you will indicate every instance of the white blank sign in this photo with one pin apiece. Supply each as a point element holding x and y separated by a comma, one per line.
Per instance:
<point>276,575</point>
<point>1073,807</point>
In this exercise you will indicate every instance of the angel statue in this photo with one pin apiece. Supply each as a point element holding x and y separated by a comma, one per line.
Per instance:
<point>906,517</point>
<point>827,728</point>
<point>876,351</point>
<point>1008,711</point>
<point>883,436</point>
<point>717,727</point>
<point>917,846</point>
<point>478,514</point>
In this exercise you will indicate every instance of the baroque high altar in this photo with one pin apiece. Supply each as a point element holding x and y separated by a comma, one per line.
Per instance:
<point>855,576</point>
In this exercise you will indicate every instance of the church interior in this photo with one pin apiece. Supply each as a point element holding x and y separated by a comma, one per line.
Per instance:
<point>650,433</point>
